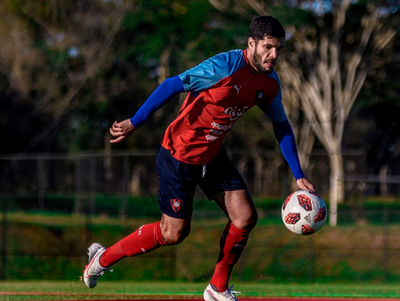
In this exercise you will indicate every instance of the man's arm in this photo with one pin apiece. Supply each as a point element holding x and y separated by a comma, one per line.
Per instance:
<point>284,134</point>
<point>164,92</point>
<point>195,79</point>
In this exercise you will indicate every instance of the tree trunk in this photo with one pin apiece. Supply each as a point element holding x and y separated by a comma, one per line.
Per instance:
<point>336,194</point>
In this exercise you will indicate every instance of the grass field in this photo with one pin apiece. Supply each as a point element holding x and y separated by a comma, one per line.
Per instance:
<point>76,290</point>
<point>352,267</point>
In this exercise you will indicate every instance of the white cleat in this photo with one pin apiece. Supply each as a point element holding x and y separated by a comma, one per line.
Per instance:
<point>212,295</point>
<point>94,270</point>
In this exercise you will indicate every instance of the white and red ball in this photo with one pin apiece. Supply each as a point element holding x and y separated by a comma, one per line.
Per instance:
<point>304,212</point>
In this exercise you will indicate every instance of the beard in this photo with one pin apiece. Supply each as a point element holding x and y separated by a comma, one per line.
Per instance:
<point>258,63</point>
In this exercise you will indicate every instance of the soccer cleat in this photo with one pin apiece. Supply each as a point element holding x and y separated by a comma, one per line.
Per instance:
<point>211,294</point>
<point>94,270</point>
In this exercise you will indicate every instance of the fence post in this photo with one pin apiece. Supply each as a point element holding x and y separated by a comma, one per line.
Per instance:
<point>93,182</point>
<point>125,188</point>
<point>3,274</point>
<point>78,195</point>
<point>87,228</point>
<point>314,259</point>
<point>40,179</point>
<point>386,253</point>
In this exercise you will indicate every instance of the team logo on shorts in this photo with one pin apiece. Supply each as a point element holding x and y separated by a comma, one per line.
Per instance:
<point>176,204</point>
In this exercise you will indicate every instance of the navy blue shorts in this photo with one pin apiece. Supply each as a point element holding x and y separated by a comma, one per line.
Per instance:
<point>177,181</point>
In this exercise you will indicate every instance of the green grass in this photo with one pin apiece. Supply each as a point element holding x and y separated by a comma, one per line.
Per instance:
<point>75,290</point>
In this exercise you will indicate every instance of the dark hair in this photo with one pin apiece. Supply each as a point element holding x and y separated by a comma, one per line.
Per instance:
<point>264,26</point>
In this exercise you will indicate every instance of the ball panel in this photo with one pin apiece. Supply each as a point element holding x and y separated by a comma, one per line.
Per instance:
<point>292,218</point>
<point>305,202</point>
<point>307,230</point>
<point>321,215</point>
<point>286,201</point>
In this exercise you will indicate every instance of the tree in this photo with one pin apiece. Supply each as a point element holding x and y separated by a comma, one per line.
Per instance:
<point>327,68</point>
<point>331,44</point>
<point>51,49</point>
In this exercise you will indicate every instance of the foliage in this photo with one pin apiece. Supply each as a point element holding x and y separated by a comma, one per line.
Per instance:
<point>68,69</point>
<point>78,65</point>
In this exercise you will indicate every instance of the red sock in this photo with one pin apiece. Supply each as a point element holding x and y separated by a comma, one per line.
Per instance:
<point>145,239</point>
<point>233,241</point>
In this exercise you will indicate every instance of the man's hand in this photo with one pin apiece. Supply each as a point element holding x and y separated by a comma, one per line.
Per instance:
<point>121,130</point>
<point>305,184</point>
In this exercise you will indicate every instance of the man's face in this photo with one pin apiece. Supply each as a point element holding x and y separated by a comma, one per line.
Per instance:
<point>264,53</point>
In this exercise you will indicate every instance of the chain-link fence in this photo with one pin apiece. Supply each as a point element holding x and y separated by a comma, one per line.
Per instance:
<point>75,200</point>
<point>54,248</point>
<point>75,183</point>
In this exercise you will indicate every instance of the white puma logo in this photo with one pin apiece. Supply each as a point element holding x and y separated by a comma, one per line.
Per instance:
<point>237,89</point>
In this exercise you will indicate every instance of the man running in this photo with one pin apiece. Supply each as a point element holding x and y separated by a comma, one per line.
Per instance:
<point>220,90</point>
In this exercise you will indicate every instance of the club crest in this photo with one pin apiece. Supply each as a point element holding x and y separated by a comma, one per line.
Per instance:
<point>176,204</point>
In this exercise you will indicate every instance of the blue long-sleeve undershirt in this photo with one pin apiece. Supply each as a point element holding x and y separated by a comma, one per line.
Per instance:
<point>164,92</point>
<point>284,134</point>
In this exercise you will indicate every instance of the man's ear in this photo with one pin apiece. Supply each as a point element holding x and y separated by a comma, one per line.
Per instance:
<point>251,43</point>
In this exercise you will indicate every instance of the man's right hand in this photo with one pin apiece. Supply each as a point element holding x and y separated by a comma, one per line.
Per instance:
<point>121,130</point>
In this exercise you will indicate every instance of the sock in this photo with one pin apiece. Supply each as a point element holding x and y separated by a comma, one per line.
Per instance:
<point>145,239</point>
<point>233,241</point>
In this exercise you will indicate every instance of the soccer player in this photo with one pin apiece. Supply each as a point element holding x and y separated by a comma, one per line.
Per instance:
<point>220,90</point>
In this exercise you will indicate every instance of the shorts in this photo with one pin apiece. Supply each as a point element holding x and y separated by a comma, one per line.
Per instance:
<point>177,181</point>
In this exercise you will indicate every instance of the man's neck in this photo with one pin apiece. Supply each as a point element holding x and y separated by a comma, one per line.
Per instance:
<point>253,68</point>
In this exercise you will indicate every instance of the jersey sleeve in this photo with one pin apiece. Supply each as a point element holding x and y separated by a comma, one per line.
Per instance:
<point>160,96</point>
<point>276,111</point>
<point>287,142</point>
<point>212,70</point>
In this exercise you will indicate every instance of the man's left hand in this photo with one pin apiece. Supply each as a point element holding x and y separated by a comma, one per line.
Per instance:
<point>305,184</point>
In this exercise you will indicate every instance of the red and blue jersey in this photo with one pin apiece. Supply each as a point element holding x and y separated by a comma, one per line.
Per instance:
<point>220,90</point>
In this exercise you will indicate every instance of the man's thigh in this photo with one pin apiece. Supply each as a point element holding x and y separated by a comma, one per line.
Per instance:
<point>221,175</point>
<point>177,183</point>
<point>223,183</point>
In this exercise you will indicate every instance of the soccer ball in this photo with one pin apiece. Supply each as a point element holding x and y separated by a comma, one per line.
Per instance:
<point>304,212</point>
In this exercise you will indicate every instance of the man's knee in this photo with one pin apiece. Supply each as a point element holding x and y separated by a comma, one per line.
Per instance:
<point>174,230</point>
<point>239,207</point>
<point>173,237</point>
<point>246,222</point>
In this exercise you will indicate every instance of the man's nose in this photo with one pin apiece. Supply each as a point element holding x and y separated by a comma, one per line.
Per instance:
<point>274,53</point>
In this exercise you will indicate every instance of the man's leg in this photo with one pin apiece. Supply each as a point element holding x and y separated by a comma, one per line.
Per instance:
<point>177,184</point>
<point>168,231</point>
<point>239,208</point>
